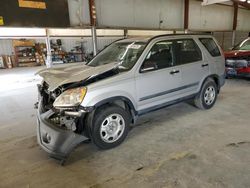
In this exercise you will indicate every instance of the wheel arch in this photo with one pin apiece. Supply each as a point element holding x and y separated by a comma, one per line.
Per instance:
<point>121,101</point>
<point>216,80</point>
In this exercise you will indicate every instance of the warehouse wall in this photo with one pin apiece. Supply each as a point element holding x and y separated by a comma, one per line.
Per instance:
<point>140,13</point>
<point>6,47</point>
<point>225,38</point>
<point>78,12</point>
<point>243,20</point>
<point>210,18</point>
<point>150,14</point>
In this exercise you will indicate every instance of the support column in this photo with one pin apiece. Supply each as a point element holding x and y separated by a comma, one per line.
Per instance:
<point>233,38</point>
<point>92,14</point>
<point>48,48</point>
<point>186,15</point>
<point>235,22</point>
<point>94,40</point>
<point>125,33</point>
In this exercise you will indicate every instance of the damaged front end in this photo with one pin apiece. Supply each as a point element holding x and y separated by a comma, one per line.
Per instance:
<point>59,131</point>
<point>61,119</point>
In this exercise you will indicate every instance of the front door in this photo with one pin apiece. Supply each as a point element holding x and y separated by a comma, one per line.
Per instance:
<point>159,78</point>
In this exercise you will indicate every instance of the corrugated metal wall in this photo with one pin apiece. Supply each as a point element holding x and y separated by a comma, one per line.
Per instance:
<point>225,38</point>
<point>6,47</point>
<point>140,13</point>
<point>210,18</point>
<point>164,14</point>
<point>79,12</point>
<point>243,20</point>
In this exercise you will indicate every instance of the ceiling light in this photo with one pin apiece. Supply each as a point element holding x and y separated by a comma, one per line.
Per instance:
<point>22,32</point>
<point>243,0</point>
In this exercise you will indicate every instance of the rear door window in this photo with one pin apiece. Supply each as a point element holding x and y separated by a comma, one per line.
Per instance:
<point>211,46</point>
<point>187,51</point>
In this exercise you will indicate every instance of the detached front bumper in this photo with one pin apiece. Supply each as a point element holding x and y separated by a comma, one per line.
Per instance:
<point>54,140</point>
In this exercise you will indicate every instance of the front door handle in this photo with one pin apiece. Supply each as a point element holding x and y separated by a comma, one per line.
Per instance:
<point>174,71</point>
<point>204,65</point>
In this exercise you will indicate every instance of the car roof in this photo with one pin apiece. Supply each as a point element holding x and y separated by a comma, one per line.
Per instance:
<point>135,39</point>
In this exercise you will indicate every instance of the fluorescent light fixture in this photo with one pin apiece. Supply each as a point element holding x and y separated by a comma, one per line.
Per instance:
<point>84,32</point>
<point>110,32</point>
<point>22,32</point>
<point>69,32</point>
<point>147,32</point>
<point>243,0</point>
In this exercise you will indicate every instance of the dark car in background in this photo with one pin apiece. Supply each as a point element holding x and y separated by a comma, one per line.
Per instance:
<point>238,60</point>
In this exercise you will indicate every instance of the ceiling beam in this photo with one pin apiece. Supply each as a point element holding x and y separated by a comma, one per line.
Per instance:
<point>244,4</point>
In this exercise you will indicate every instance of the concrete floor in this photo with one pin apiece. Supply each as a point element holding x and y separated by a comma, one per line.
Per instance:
<point>180,146</point>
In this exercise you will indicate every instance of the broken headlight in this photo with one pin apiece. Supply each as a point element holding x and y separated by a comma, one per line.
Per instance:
<point>70,98</point>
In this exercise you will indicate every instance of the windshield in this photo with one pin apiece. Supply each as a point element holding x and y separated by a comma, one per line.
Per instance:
<point>124,53</point>
<point>245,45</point>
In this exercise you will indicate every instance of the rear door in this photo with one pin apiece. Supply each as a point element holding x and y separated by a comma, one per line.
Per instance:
<point>193,65</point>
<point>158,79</point>
<point>214,55</point>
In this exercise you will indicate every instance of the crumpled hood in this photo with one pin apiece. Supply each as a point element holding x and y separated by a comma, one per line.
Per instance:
<point>60,75</point>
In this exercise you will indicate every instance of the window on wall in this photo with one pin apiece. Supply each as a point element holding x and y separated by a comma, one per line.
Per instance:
<point>187,51</point>
<point>211,46</point>
<point>160,56</point>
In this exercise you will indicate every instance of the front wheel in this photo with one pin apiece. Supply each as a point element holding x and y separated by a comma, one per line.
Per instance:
<point>207,96</point>
<point>110,127</point>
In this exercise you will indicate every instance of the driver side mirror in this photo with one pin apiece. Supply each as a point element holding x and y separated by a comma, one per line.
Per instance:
<point>148,66</point>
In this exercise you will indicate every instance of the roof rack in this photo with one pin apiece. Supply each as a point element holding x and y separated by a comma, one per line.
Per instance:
<point>182,34</point>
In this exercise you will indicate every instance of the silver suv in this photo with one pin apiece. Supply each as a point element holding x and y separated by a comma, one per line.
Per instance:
<point>98,101</point>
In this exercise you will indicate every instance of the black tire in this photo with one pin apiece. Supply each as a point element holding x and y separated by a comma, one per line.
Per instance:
<point>100,115</point>
<point>200,100</point>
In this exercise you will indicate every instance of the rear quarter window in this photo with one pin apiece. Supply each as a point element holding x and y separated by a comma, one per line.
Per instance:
<point>211,46</point>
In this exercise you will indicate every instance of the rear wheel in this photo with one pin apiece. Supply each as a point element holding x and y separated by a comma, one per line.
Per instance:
<point>110,127</point>
<point>207,96</point>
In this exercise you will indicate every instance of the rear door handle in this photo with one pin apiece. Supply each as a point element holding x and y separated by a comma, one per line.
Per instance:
<point>204,65</point>
<point>174,71</point>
